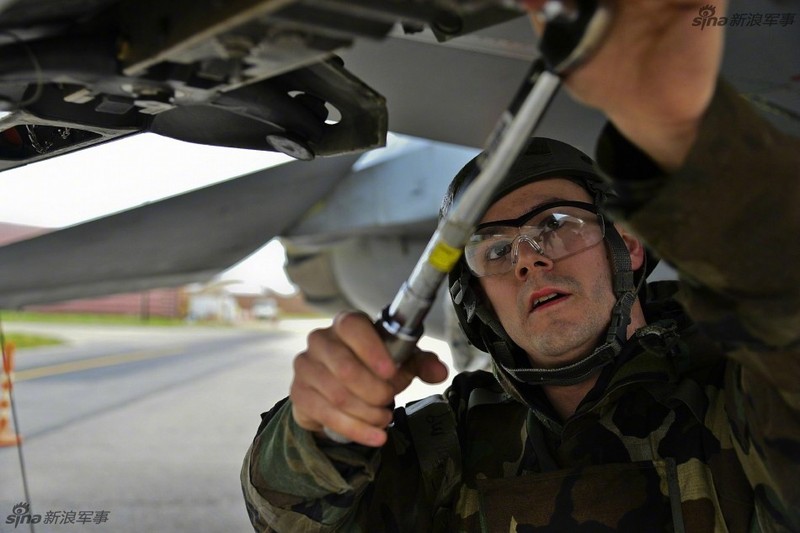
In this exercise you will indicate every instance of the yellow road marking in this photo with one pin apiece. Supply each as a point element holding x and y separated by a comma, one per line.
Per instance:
<point>94,362</point>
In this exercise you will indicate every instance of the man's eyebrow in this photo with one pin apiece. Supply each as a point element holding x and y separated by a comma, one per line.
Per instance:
<point>546,201</point>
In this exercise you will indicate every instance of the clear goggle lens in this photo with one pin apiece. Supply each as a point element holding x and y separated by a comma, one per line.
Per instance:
<point>556,231</point>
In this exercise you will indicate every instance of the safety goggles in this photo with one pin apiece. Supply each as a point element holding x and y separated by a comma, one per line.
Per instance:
<point>555,230</point>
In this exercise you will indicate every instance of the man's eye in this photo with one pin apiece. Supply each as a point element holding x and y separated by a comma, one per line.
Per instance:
<point>498,251</point>
<point>552,223</point>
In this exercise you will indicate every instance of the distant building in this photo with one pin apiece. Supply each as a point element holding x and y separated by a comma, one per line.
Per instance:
<point>294,304</point>
<point>167,303</point>
<point>212,302</point>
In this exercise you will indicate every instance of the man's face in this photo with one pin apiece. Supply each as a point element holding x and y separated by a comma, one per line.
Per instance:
<point>568,327</point>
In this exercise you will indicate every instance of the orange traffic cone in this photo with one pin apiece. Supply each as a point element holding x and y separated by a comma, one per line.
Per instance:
<point>7,435</point>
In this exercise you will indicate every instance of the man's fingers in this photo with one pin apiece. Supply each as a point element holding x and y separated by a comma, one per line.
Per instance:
<point>316,393</point>
<point>429,368</point>
<point>424,365</point>
<point>354,430</point>
<point>312,375</point>
<point>533,5</point>
<point>313,411</point>
<point>358,332</point>
<point>350,372</point>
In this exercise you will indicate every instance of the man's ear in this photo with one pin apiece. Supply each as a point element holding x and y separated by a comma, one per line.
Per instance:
<point>634,245</point>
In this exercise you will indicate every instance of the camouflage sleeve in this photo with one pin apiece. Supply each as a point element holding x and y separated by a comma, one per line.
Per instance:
<point>292,482</point>
<point>729,222</point>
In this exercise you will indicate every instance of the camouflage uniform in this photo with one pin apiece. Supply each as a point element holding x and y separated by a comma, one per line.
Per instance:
<point>682,433</point>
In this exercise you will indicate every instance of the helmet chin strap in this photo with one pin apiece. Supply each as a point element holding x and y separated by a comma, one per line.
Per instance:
<point>502,348</point>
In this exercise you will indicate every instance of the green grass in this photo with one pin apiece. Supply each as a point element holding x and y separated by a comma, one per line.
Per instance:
<point>27,340</point>
<point>81,318</point>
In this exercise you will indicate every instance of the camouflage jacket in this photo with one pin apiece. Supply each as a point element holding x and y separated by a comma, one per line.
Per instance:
<point>696,426</point>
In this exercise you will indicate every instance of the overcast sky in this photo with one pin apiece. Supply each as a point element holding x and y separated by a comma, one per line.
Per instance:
<point>105,179</point>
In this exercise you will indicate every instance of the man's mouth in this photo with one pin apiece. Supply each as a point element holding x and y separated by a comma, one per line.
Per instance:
<point>546,300</point>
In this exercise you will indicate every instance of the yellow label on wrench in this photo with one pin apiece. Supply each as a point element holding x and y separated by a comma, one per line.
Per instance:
<point>444,257</point>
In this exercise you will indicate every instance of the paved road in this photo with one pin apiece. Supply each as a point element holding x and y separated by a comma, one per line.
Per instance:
<point>149,424</point>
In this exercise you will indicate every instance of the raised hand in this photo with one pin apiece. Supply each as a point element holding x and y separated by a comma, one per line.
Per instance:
<point>346,380</point>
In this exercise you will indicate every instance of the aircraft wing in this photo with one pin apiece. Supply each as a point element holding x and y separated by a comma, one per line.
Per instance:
<point>187,238</point>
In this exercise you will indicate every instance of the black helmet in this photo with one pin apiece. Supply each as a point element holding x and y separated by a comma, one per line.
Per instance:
<point>543,158</point>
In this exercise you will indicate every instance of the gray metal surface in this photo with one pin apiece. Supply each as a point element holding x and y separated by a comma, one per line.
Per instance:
<point>398,196</point>
<point>454,91</point>
<point>186,238</point>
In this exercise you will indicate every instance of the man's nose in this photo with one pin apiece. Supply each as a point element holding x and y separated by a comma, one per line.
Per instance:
<point>529,255</point>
